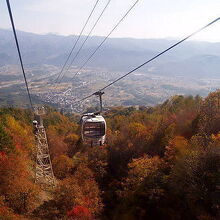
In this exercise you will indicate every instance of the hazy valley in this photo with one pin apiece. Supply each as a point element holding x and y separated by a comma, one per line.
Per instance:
<point>192,68</point>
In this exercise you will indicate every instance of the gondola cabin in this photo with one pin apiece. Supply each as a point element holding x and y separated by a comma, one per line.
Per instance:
<point>93,129</point>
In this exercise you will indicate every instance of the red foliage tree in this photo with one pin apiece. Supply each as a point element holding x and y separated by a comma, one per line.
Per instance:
<point>79,212</point>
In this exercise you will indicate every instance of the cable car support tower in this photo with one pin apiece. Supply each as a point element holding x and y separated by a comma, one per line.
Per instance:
<point>44,172</point>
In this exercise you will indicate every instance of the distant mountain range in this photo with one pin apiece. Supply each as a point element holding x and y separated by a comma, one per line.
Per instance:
<point>191,59</point>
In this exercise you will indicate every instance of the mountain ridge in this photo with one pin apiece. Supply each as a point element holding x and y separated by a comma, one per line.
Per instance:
<point>117,54</point>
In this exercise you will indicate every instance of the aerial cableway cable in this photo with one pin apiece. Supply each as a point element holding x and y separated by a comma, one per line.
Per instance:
<point>86,39</point>
<point>90,57</point>
<point>77,40</point>
<point>153,58</point>
<point>19,52</point>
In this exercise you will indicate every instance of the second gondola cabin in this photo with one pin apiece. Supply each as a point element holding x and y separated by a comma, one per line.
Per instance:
<point>93,129</point>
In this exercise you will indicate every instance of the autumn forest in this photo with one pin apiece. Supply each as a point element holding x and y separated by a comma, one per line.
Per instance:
<point>159,162</point>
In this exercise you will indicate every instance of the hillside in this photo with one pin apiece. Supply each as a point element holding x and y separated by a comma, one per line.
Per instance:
<point>159,162</point>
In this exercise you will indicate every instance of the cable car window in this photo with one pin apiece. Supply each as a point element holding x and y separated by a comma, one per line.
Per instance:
<point>92,129</point>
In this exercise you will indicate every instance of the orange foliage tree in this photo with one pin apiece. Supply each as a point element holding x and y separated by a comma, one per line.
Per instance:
<point>16,185</point>
<point>79,189</point>
<point>62,166</point>
<point>7,213</point>
<point>196,175</point>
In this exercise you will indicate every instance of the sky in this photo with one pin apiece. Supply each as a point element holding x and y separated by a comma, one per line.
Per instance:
<point>149,18</point>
